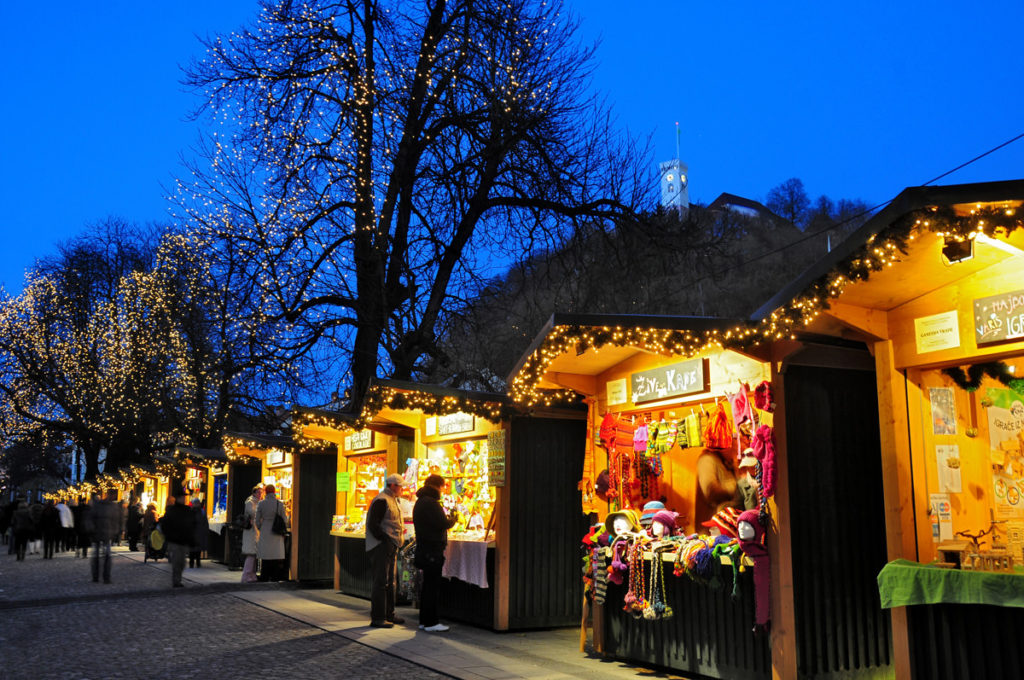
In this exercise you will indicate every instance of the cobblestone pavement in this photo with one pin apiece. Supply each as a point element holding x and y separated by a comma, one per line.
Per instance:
<point>57,623</point>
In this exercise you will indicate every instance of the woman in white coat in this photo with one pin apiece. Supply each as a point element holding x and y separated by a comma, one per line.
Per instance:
<point>249,535</point>
<point>270,546</point>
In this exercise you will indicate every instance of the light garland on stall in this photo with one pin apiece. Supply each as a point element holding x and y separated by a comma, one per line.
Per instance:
<point>878,253</point>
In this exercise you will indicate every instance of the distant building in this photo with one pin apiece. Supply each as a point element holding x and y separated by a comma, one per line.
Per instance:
<point>675,182</point>
<point>744,207</point>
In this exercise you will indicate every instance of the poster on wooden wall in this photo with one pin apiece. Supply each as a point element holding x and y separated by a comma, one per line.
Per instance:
<point>947,462</point>
<point>943,410</point>
<point>1006,451</point>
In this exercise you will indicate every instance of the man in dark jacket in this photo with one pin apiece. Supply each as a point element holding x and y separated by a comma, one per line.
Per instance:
<point>179,527</point>
<point>432,527</point>
<point>106,523</point>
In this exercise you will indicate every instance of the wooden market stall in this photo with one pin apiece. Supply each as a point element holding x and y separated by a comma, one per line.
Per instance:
<point>510,562</point>
<point>653,385</point>
<point>921,311</point>
<point>302,474</point>
<point>205,476</point>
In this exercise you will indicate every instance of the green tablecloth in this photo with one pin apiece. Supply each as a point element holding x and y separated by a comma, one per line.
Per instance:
<point>902,583</point>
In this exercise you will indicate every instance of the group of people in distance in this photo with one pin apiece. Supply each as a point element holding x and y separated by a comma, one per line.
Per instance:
<point>384,533</point>
<point>259,541</point>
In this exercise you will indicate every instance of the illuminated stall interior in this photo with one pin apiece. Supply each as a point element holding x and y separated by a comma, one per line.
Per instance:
<point>933,286</point>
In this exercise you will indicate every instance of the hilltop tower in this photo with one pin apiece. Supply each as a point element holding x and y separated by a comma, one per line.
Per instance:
<point>675,182</point>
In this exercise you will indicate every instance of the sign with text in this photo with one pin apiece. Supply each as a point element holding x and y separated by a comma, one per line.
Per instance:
<point>344,483</point>
<point>939,331</point>
<point>617,393</point>
<point>674,380</point>
<point>358,441</point>
<point>454,423</point>
<point>496,458</point>
<point>999,318</point>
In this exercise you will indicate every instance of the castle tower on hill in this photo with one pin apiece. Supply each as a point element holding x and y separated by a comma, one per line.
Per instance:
<point>675,182</point>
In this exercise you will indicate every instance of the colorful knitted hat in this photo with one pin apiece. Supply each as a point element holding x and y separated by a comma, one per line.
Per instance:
<point>629,515</point>
<point>650,508</point>
<point>640,438</point>
<point>763,398</point>
<point>666,518</point>
<point>752,518</point>
<point>725,521</point>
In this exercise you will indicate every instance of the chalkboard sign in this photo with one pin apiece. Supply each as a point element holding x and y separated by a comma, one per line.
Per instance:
<point>674,380</point>
<point>359,441</point>
<point>999,318</point>
<point>454,423</point>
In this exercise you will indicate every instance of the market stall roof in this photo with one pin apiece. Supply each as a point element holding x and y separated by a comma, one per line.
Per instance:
<point>400,395</point>
<point>919,222</point>
<point>260,440</point>
<point>190,455</point>
<point>590,344</point>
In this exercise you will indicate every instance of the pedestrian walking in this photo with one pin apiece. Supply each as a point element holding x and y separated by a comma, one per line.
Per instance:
<point>270,544</point>
<point>249,535</point>
<point>149,522</point>
<point>35,545</point>
<point>201,539</point>
<point>83,521</point>
<point>384,528</point>
<point>49,526</point>
<point>22,524</point>
<point>179,527</point>
<point>106,522</point>
<point>432,527</point>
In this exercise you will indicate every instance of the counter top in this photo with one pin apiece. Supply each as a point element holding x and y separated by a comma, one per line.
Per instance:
<point>902,583</point>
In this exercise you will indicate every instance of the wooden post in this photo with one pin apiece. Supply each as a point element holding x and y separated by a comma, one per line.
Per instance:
<point>780,547</point>
<point>502,562</point>
<point>896,482</point>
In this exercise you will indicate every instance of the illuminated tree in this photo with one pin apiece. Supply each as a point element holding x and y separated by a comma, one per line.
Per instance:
<point>373,160</point>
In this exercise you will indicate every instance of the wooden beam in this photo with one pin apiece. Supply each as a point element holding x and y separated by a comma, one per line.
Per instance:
<point>503,544</point>
<point>585,384</point>
<point>896,481</point>
<point>780,547</point>
<point>872,322</point>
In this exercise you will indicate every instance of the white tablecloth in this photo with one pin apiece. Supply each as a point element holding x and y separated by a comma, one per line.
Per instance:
<point>466,561</point>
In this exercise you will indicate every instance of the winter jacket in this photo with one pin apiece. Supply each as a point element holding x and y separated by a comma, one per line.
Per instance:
<point>201,539</point>
<point>106,520</point>
<point>270,546</point>
<point>179,524</point>
<point>384,521</point>
<point>431,523</point>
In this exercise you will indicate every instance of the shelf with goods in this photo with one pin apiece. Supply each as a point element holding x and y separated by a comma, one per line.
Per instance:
<point>463,465</point>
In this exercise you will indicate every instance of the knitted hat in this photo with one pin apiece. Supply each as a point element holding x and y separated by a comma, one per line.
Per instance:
<point>752,518</point>
<point>640,438</point>
<point>666,518</point>
<point>629,515</point>
<point>650,509</point>
<point>725,521</point>
<point>763,397</point>
<point>602,483</point>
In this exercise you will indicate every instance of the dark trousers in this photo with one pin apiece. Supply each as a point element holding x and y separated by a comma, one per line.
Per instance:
<point>21,539</point>
<point>382,590</point>
<point>50,541</point>
<point>195,558</point>
<point>430,590</point>
<point>101,547</point>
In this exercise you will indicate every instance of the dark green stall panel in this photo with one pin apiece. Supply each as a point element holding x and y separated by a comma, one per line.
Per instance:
<point>837,522</point>
<point>543,467</point>
<point>241,480</point>
<point>710,633</point>
<point>354,566</point>
<point>966,641</point>
<point>317,478</point>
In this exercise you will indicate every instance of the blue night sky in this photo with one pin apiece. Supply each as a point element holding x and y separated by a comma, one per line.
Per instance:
<point>858,100</point>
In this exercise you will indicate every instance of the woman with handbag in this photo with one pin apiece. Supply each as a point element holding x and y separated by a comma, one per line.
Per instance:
<point>432,527</point>
<point>249,534</point>
<point>270,544</point>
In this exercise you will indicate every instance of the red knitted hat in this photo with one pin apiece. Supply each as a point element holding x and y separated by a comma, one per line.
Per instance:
<point>725,521</point>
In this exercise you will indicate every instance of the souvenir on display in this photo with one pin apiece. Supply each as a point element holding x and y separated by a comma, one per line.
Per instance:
<point>751,536</point>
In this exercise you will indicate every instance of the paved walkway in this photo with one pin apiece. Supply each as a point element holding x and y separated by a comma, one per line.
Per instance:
<point>303,622</point>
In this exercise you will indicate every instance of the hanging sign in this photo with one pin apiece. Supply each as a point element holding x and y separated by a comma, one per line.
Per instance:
<point>358,441</point>
<point>998,318</point>
<point>617,392</point>
<point>454,423</point>
<point>275,457</point>
<point>674,380</point>
<point>935,332</point>
<point>496,458</point>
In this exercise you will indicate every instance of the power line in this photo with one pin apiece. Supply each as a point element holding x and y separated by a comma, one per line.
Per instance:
<point>807,237</point>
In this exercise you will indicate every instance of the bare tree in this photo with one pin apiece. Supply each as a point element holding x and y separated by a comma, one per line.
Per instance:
<point>790,201</point>
<point>380,158</point>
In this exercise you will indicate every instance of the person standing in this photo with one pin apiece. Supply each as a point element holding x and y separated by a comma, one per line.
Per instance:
<point>384,528</point>
<point>49,524</point>
<point>201,539</point>
<point>67,527</point>
<point>179,527</point>
<point>134,526</point>
<point>149,522</point>
<point>35,545</point>
<point>249,534</point>
<point>270,545</point>
<point>106,525</point>
<point>83,521</point>
<point>432,527</point>
<point>21,525</point>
